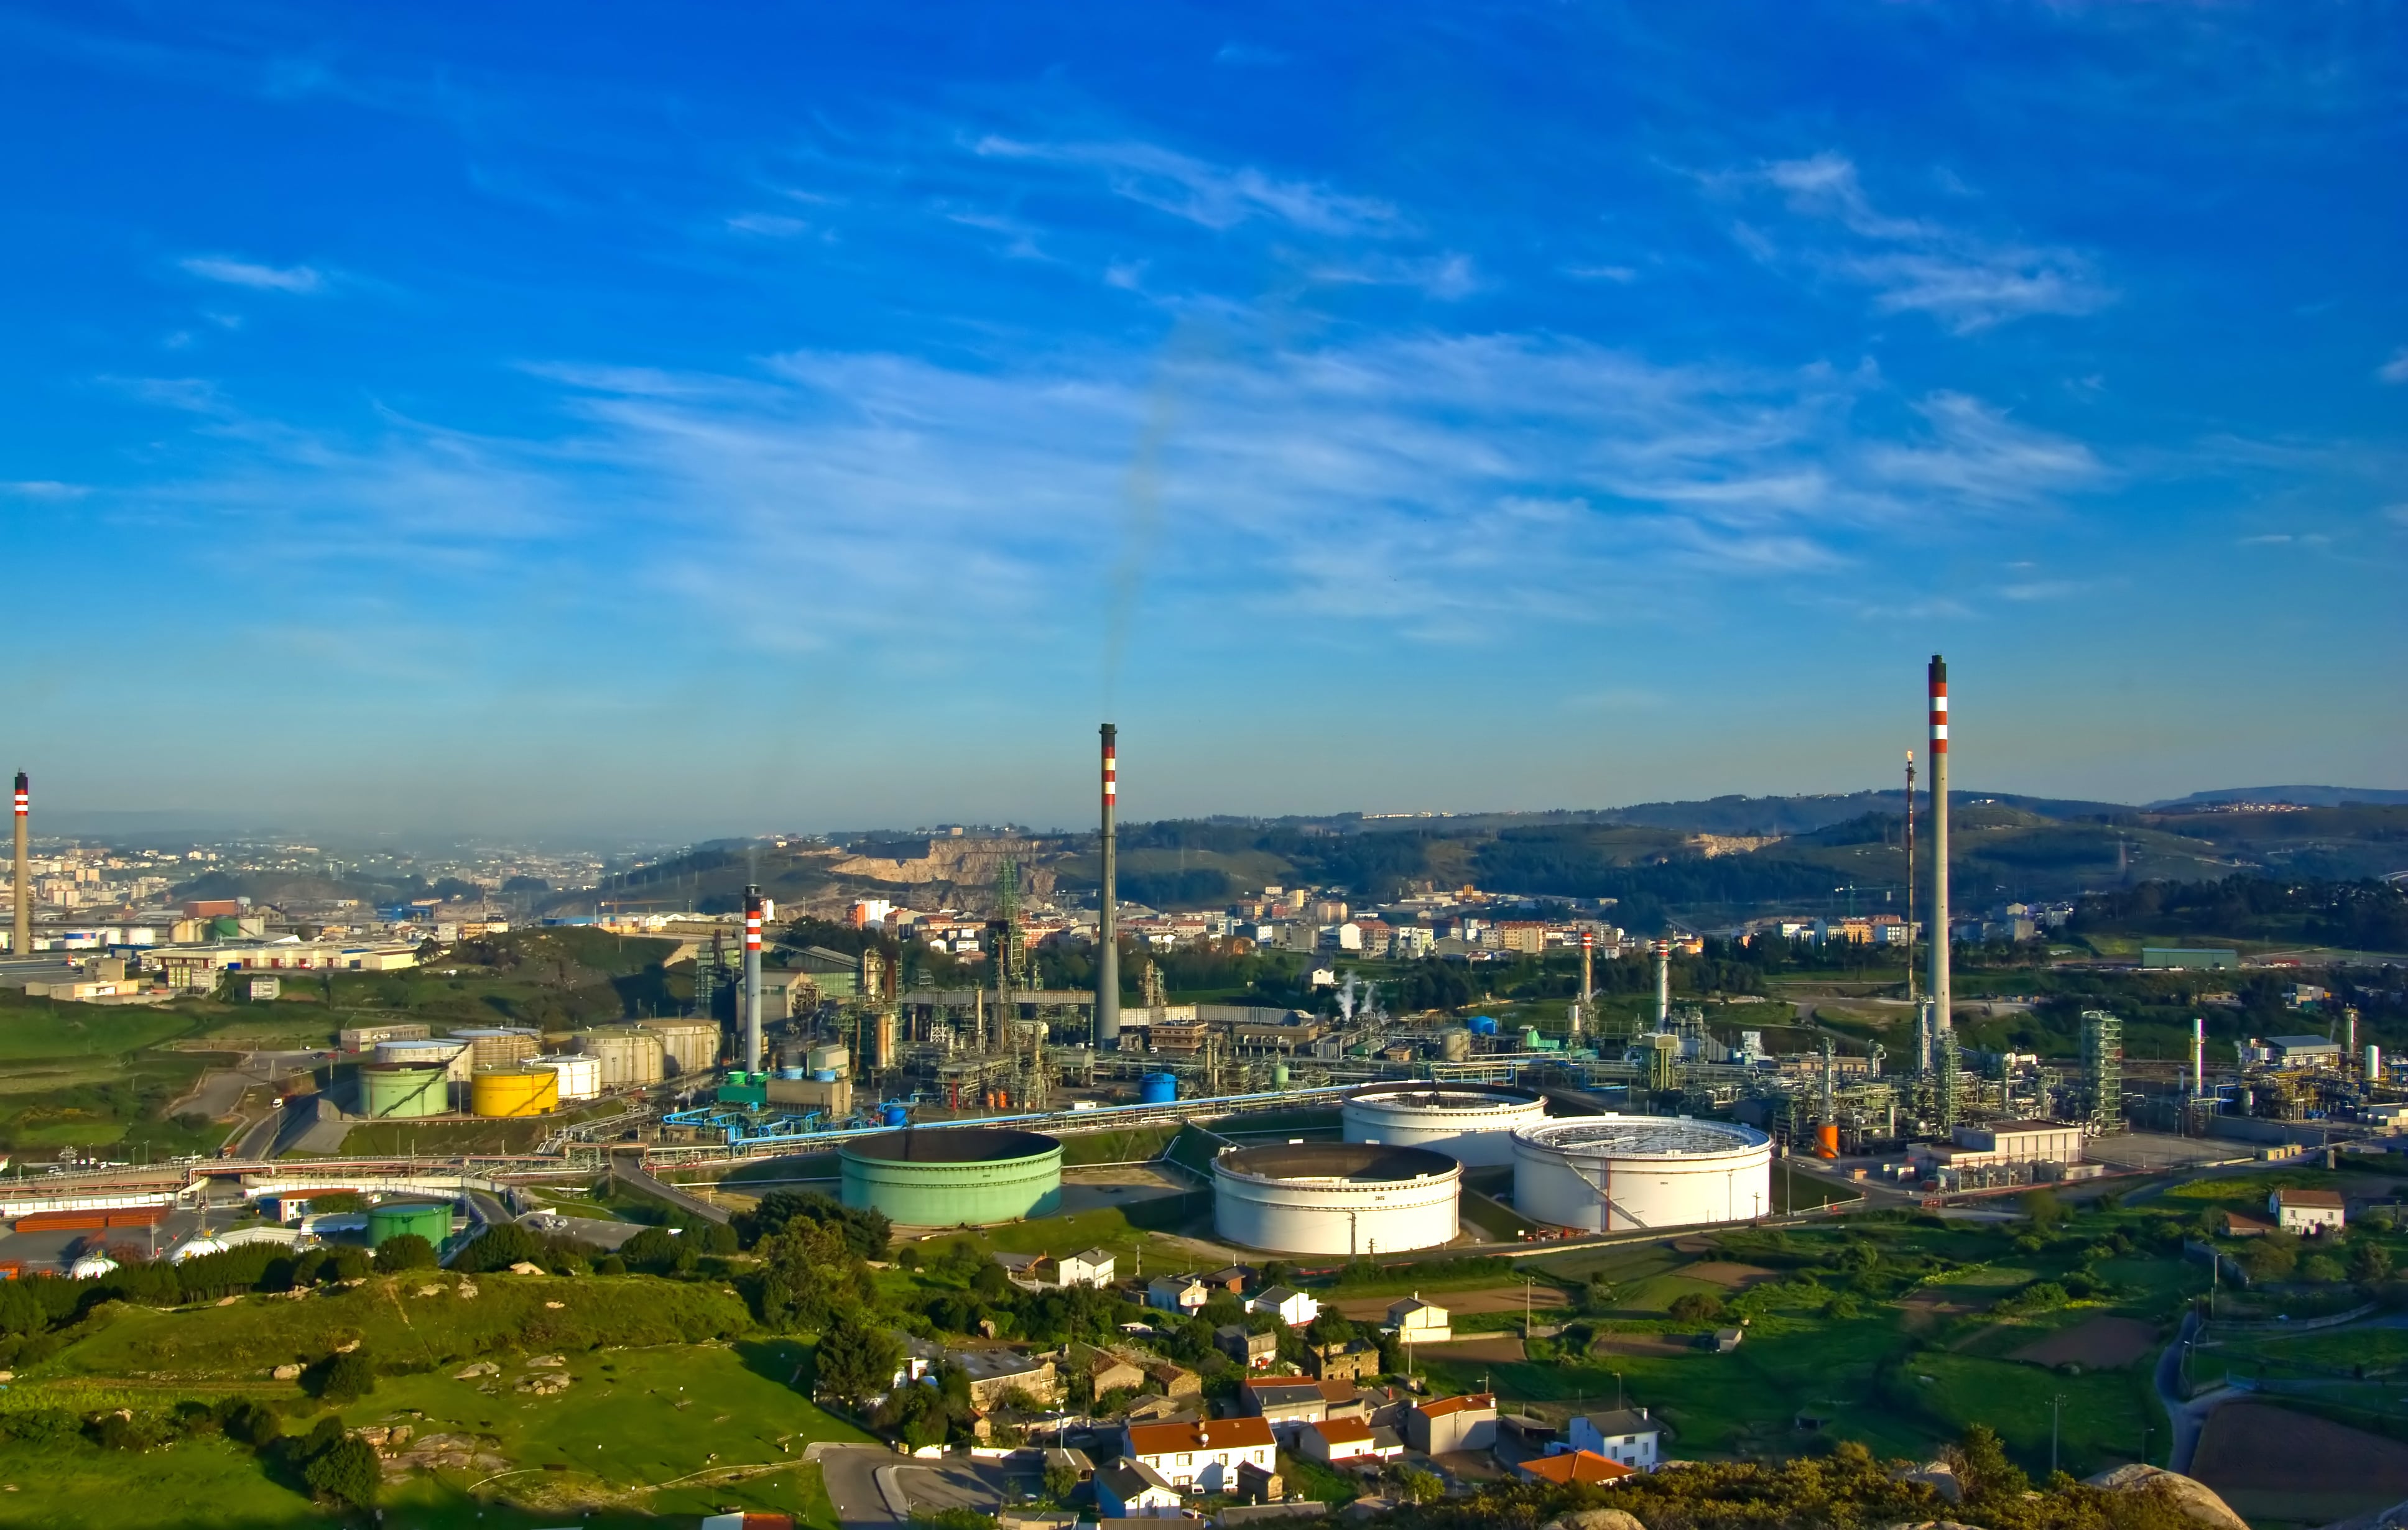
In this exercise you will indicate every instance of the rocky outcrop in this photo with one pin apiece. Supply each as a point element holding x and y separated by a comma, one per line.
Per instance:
<point>2196,1499</point>
<point>967,861</point>
<point>1596,1519</point>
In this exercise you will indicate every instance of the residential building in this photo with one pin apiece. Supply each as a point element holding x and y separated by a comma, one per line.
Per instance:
<point>1202,1456</point>
<point>1414,941</point>
<point>1417,1321</point>
<point>996,1374</point>
<point>1571,1467</point>
<point>2307,1210</point>
<point>1175,1381</point>
<point>1347,1441</point>
<point>1109,1372</point>
<point>1087,1267</point>
<point>1341,1361</point>
<point>1468,1422</point>
<point>1292,1307</point>
<point>1256,1351</point>
<point>1285,1405</point>
<point>1234,1279</point>
<point>1181,1293</point>
<point>1626,1435</point>
<point>1129,1489</point>
<point>1259,1484</point>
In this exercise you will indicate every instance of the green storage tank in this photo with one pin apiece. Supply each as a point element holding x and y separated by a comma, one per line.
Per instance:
<point>429,1220</point>
<point>403,1088</point>
<point>943,1177</point>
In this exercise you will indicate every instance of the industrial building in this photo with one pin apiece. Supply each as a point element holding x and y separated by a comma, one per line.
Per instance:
<point>1342,1199</point>
<point>959,1176</point>
<point>1615,1173</point>
<point>1472,1123</point>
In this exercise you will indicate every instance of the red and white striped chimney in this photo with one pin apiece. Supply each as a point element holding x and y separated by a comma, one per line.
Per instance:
<point>753,980</point>
<point>22,931</point>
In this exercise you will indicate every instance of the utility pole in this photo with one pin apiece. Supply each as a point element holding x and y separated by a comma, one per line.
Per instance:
<point>2056,1408</point>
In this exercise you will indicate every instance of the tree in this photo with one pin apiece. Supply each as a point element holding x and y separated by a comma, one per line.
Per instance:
<point>1696,1306</point>
<point>2369,1262</point>
<point>1418,1486</point>
<point>1990,1479</point>
<point>654,1251</point>
<point>807,1273</point>
<point>346,1378</point>
<point>1060,1483</point>
<point>2042,1206</point>
<point>1330,1327</point>
<point>857,1357</point>
<point>406,1252</point>
<point>501,1245</point>
<point>347,1472</point>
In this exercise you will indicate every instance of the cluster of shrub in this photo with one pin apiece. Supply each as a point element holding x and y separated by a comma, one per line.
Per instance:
<point>326,1460</point>
<point>1844,1485</point>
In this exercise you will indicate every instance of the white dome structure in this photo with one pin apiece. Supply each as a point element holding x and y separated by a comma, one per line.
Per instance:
<point>1472,1123</point>
<point>1612,1174</point>
<point>92,1266</point>
<point>192,1248</point>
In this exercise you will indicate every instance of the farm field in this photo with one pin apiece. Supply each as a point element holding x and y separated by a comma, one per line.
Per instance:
<point>1893,1329</point>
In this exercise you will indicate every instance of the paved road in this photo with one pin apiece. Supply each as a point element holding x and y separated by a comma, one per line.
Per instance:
<point>851,1475</point>
<point>2188,1416</point>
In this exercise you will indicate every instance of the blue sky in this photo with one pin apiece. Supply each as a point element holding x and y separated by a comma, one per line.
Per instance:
<point>698,420</point>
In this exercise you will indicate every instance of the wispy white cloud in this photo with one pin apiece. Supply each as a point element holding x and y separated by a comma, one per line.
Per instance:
<point>44,489</point>
<point>1965,280</point>
<point>1449,276</point>
<point>1975,454</point>
<point>1215,195</point>
<point>251,274</point>
<point>2396,369</point>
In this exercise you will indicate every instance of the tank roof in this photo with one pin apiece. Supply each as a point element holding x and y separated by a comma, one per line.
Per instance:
<point>1644,1136</point>
<point>951,1145</point>
<point>1368,1162</point>
<point>1451,1096</point>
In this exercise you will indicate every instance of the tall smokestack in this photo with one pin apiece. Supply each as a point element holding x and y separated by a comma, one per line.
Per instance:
<point>1943,1022</point>
<point>1589,978</point>
<point>23,932</point>
<point>2197,1057</point>
<point>1108,932</point>
<point>1663,983</point>
<point>752,980</point>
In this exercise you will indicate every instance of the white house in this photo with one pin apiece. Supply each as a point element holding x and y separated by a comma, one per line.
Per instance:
<point>1203,1456</point>
<point>1181,1293</point>
<point>1417,1321</point>
<point>2306,1211</point>
<point>1627,1434</point>
<point>1087,1267</point>
<point>1292,1307</point>
<point>1337,1441</point>
<point>1131,1490</point>
<point>1446,1424</point>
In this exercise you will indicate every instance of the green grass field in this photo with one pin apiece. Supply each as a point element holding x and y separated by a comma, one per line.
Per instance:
<point>621,1446</point>
<point>207,1346</point>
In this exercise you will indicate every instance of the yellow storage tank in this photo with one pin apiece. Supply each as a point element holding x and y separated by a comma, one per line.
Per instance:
<point>513,1092</point>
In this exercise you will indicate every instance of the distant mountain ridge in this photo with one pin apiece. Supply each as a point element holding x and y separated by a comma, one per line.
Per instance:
<point>2302,797</point>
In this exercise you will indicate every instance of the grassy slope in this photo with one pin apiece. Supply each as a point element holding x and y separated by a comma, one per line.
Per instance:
<point>617,1432</point>
<point>201,1347</point>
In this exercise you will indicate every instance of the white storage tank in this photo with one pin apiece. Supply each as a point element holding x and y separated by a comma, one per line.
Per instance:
<point>1611,1173</point>
<point>1342,1199</point>
<point>581,1077</point>
<point>498,1047</point>
<point>456,1058</point>
<point>692,1045</point>
<point>629,1056</point>
<point>1472,1123</point>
